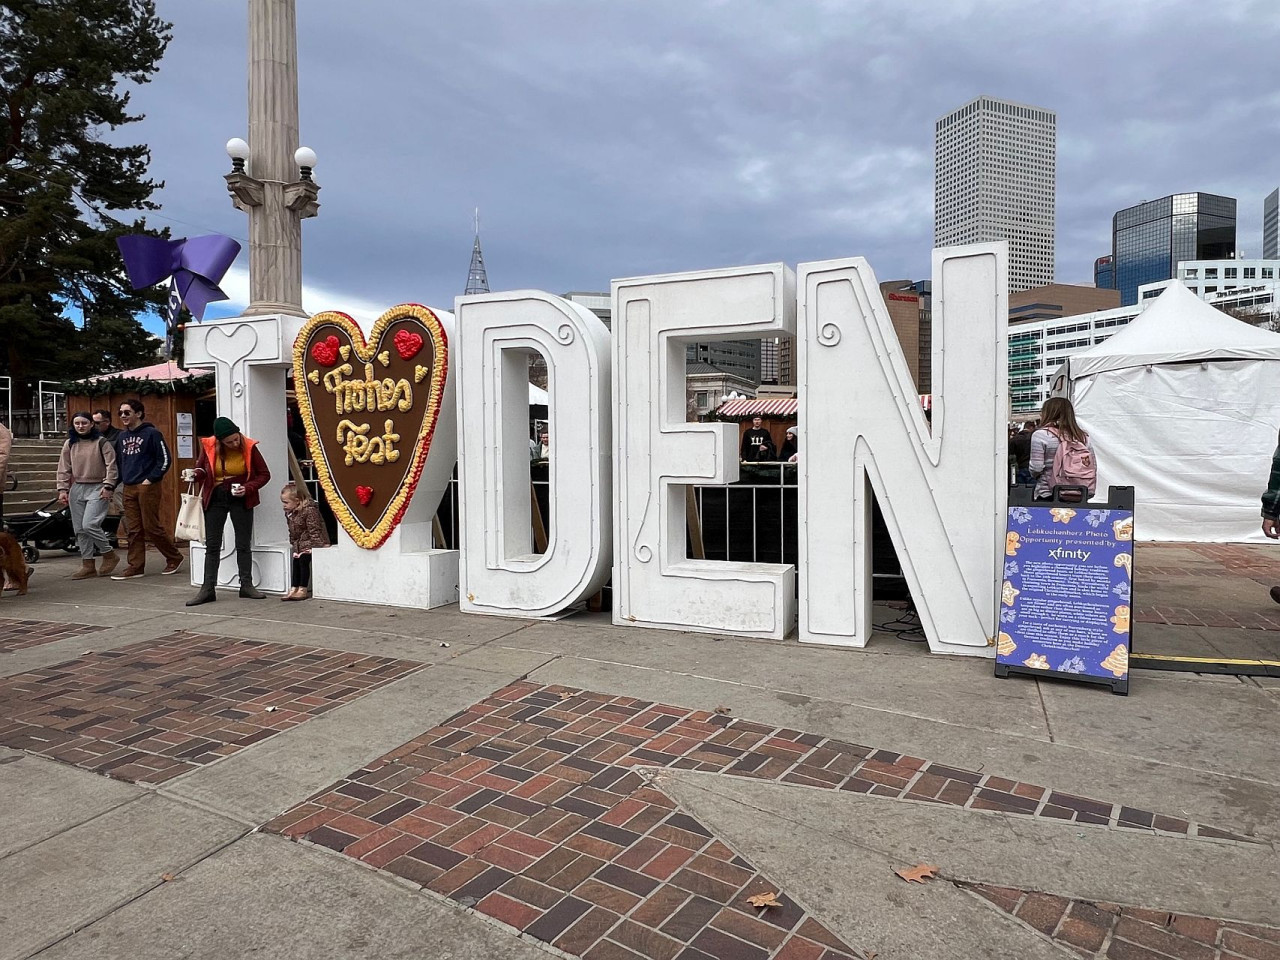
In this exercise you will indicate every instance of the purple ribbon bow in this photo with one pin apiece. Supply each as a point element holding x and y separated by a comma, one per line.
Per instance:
<point>196,265</point>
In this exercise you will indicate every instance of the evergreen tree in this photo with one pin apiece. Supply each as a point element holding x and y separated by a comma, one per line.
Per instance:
<point>66,189</point>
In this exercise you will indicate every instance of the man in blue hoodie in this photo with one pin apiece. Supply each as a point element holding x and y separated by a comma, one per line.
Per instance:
<point>143,459</point>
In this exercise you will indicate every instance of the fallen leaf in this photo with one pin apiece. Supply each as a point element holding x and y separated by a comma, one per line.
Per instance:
<point>918,873</point>
<point>764,900</point>
<point>166,877</point>
<point>722,710</point>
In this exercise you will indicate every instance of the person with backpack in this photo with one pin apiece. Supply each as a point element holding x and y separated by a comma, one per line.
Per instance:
<point>87,478</point>
<point>1061,454</point>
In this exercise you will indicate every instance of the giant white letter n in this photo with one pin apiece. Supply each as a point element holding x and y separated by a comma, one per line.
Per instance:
<point>942,492</point>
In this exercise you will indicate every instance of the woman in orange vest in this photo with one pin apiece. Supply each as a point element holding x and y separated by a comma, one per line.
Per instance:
<point>230,471</point>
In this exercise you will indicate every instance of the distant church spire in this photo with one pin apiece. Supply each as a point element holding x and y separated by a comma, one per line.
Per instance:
<point>477,279</point>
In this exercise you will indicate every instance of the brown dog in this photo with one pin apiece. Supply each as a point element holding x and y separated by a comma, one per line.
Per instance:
<point>14,567</point>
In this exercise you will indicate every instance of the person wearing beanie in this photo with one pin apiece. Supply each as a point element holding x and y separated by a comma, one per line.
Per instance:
<point>231,470</point>
<point>790,446</point>
<point>87,478</point>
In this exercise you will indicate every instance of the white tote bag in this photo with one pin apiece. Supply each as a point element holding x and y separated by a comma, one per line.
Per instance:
<point>190,525</point>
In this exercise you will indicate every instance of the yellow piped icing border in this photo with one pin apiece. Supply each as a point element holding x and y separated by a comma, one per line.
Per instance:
<point>372,538</point>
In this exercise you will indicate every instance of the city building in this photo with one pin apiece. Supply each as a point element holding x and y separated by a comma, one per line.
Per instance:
<point>1207,277</point>
<point>995,170</point>
<point>738,358</point>
<point>1038,347</point>
<point>769,361</point>
<point>1149,239</point>
<point>707,386</point>
<point>902,300</point>
<point>601,304</point>
<point>786,361</point>
<point>924,382</point>
<point>1104,273</point>
<point>1258,305</point>
<point>1271,225</point>
<point>1056,300</point>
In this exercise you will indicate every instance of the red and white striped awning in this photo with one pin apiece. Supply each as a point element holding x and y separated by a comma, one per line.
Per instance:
<point>780,407</point>
<point>762,407</point>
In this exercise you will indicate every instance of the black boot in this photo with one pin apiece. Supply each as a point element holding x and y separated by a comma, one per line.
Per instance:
<point>206,595</point>
<point>244,560</point>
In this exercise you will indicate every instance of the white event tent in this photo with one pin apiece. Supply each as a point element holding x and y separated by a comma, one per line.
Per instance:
<point>1183,405</point>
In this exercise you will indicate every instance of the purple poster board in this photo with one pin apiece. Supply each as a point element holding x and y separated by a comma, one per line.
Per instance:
<point>1066,599</point>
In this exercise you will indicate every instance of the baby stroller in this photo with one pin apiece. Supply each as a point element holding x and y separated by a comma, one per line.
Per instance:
<point>49,528</point>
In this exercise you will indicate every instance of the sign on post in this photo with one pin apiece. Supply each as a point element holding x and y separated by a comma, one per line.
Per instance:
<point>1067,596</point>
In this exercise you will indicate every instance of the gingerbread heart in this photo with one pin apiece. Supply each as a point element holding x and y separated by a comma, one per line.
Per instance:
<point>369,412</point>
<point>407,344</point>
<point>325,352</point>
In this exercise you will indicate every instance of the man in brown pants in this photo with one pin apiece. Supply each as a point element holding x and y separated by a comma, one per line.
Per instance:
<point>143,459</point>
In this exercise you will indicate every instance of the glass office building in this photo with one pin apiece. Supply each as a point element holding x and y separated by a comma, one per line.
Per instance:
<point>1104,273</point>
<point>1151,238</point>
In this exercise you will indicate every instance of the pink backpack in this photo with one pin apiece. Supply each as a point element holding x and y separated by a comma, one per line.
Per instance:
<point>1073,466</point>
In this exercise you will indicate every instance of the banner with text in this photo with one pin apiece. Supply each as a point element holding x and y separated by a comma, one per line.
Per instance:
<point>1067,593</point>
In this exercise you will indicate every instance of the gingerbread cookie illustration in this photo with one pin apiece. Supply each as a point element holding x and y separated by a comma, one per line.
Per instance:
<point>1124,561</point>
<point>1117,661</point>
<point>1009,594</point>
<point>1121,619</point>
<point>1036,662</point>
<point>1012,542</point>
<point>1123,528</point>
<point>1061,514</point>
<point>1005,645</point>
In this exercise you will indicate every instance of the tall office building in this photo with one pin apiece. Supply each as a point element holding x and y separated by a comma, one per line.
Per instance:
<point>995,175</point>
<point>1150,239</point>
<point>1104,273</point>
<point>1271,226</point>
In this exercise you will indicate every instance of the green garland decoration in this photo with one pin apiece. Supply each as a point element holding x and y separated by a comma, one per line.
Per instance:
<point>191,386</point>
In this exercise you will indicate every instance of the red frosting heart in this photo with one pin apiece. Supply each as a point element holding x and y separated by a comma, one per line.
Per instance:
<point>325,352</point>
<point>364,495</point>
<point>407,344</point>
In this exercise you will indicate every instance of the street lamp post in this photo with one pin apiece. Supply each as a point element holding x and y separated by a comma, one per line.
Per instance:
<point>271,180</point>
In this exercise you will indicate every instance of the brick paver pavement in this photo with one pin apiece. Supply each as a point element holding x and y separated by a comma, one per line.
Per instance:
<point>1213,562</point>
<point>528,808</point>
<point>152,710</point>
<point>20,634</point>
<point>1131,933</point>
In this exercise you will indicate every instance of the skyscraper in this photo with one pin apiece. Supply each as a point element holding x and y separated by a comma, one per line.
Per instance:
<point>1150,239</point>
<point>1271,226</point>
<point>995,169</point>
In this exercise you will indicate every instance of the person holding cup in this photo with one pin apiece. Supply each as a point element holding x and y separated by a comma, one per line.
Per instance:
<point>231,470</point>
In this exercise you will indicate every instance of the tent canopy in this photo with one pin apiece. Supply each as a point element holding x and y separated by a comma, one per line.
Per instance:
<point>1178,327</point>
<point>1183,405</point>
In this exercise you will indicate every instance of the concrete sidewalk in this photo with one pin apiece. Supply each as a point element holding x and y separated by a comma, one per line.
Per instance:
<point>322,779</point>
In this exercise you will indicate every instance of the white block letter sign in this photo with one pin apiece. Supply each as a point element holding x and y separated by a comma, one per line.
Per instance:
<point>942,493</point>
<point>657,453</point>
<point>499,572</point>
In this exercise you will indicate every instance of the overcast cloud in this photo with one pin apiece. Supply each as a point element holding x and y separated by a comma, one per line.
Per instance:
<point>608,138</point>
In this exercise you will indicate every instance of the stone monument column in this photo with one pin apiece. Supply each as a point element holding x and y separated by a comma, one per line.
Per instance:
<point>271,191</point>
<point>250,355</point>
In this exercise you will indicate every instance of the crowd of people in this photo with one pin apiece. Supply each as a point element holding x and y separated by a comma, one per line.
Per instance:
<point>102,467</point>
